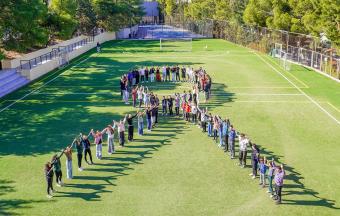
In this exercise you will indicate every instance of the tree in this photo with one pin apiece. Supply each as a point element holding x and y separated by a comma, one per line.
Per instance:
<point>86,16</point>
<point>21,24</point>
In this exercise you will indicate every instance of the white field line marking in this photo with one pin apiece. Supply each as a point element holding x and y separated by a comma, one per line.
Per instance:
<point>254,94</point>
<point>269,101</point>
<point>77,93</point>
<point>304,84</point>
<point>261,87</point>
<point>302,92</point>
<point>334,107</point>
<point>31,92</point>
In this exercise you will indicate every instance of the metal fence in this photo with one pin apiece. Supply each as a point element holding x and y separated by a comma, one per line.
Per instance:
<point>305,49</point>
<point>55,53</point>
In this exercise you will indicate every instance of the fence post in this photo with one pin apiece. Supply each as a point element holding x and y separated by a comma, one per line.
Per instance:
<point>312,59</point>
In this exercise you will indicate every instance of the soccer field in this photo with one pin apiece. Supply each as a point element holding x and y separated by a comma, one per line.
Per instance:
<point>176,169</point>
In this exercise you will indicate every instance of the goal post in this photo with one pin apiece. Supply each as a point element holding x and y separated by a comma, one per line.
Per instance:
<point>285,60</point>
<point>175,44</point>
<point>63,58</point>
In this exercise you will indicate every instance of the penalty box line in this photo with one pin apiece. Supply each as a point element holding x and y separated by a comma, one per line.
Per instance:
<point>302,92</point>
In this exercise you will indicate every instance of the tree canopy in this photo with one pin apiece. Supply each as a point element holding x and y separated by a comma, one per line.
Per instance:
<point>313,17</point>
<point>27,24</point>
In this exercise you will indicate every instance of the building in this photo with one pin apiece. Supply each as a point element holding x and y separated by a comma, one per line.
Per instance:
<point>151,10</point>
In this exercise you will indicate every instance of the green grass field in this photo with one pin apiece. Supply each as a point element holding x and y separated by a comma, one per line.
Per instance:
<point>175,169</point>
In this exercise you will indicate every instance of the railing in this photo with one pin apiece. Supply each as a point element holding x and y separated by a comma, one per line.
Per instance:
<point>34,62</point>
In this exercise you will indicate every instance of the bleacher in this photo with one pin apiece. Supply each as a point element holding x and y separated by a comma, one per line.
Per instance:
<point>11,80</point>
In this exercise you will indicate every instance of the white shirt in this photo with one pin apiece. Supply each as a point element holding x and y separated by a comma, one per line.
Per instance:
<point>142,72</point>
<point>243,142</point>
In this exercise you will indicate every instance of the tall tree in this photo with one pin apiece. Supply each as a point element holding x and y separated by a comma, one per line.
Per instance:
<point>86,16</point>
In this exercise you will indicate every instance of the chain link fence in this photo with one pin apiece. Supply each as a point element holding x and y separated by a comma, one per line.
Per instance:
<point>302,49</point>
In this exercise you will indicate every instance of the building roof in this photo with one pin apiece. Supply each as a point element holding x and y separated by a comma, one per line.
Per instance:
<point>150,8</point>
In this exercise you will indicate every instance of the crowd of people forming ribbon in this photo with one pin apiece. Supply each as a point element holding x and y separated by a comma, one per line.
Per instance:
<point>187,106</point>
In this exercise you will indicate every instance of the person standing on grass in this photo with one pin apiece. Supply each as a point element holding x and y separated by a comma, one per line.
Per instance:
<point>142,75</point>
<point>98,140</point>
<point>157,108</point>
<point>203,118</point>
<point>84,140</point>
<point>49,179</point>
<point>178,78</point>
<point>232,137</point>
<point>216,127</point>
<point>140,119</point>
<point>226,125</point>
<point>210,122</point>
<point>167,77</point>
<point>194,113</point>
<point>134,96</point>
<point>140,95</point>
<point>271,171</point>
<point>173,73</point>
<point>243,144</point>
<point>177,103</point>
<point>263,169</point>
<point>183,71</point>
<point>110,131</point>
<point>158,75</point>
<point>121,131</point>
<point>187,111</point>
<point>152,74</point>
<point>98,47</point>
<point>170,105</point>
<point>148,117</point>
<point>278,179</point>
<point>146,71</point>
<point>146,97</point>
<point>129,120</point>
<point>80,149</point>
<point>57,168</point>
<point>164,106</point>
<point>164,73</point>
<point>255,155</point>
<point>68,154</point>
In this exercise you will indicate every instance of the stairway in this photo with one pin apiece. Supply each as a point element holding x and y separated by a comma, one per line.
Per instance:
<point>10,80</point>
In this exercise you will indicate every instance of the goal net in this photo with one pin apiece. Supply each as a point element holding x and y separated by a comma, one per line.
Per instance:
<point>63,57</point>
<point>276,52</point>
<point>175,44</point>
<point>285,60</point>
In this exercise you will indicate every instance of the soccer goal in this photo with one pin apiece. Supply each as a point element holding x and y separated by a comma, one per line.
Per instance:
<point>285,60</point>
<point>277,50</point>
<point>175,44</point>
<point>63,58</point>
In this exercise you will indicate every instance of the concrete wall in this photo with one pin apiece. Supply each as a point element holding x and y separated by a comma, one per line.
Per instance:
<point>124,33</point>
<point>43,69</point>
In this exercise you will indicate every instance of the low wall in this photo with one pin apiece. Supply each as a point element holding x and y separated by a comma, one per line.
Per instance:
<point>124,33</point>
<point>43,69</point>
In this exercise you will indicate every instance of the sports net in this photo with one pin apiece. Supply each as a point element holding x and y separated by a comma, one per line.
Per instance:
<point>63,57</point>
<point>175,44</point>
<point>285,60</point>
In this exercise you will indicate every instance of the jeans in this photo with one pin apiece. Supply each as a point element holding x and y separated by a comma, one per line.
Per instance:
<point>221,137</point>
<point>243,157</point>
<point>69,169</point>
<point>278,190</point>
<point>263,179</point>
<point>49,185</point>
<point>232,148</point>
<point>164,110</point>
<point>209,129</point>
<point>140,128</point>
<point>254,163</point>
<point>148,121</point>
<point>99,148</point>
<point>121,138</point>
<point>110,146</point>
<point>270,184</point>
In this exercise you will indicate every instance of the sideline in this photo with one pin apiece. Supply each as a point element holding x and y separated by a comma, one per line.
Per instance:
<point>302,92</point>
